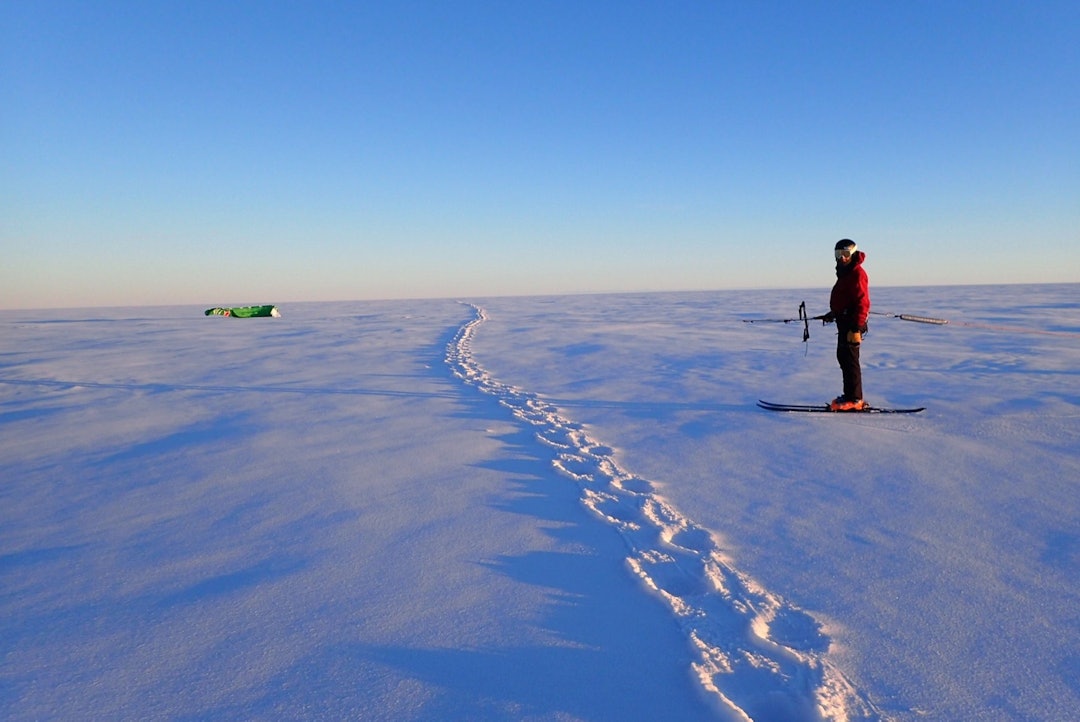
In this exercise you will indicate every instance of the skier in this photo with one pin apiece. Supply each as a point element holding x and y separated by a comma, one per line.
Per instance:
<point>849,307</point>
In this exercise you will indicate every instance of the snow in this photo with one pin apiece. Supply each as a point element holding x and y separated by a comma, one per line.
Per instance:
<point>550,508</point>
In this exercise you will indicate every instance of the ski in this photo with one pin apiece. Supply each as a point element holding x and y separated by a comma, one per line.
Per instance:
<point>824,409</point>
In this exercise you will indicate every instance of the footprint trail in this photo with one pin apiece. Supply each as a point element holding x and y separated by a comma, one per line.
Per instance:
<point>758,657</point>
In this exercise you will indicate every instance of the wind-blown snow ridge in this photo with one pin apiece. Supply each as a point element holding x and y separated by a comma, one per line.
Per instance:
<point>759,657</point>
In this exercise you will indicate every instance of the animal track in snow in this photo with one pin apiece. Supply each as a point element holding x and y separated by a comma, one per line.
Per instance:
<point>757,655</point>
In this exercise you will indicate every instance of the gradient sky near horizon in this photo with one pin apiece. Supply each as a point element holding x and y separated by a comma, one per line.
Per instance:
<point>212,153</point>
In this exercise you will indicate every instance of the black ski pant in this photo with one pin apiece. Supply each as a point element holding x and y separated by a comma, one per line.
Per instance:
<point>847,355</point>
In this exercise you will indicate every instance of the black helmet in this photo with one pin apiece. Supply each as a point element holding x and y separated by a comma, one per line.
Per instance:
<point>845,249</point>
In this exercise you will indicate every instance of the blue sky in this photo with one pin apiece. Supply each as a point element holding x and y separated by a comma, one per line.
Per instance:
<point>248,152</point>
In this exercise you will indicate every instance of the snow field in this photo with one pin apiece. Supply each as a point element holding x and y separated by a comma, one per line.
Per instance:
<point>541,509</point>
<point>754,671</point>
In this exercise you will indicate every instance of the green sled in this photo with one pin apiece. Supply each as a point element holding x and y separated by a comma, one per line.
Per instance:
<point>244,311</point>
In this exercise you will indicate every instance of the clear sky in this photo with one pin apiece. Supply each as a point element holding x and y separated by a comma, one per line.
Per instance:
<point>215,152</point>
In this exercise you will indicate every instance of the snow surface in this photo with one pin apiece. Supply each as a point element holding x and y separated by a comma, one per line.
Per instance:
<point>541,509</point>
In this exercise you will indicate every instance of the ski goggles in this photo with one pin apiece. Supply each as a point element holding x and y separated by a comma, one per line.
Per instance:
<point>845,252</point>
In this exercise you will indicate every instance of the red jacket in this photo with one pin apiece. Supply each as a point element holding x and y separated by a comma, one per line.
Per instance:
<point>850,299</point>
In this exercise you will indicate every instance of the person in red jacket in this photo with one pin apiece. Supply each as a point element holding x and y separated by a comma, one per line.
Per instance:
<point>849,307</point>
